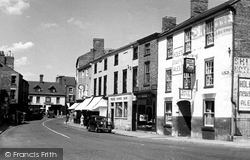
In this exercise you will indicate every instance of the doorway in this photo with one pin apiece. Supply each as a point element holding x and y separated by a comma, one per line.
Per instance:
<point>184,121</point>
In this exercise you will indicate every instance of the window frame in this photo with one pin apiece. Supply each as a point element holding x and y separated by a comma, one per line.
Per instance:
<point>147,73</point>
<point>117,114</point>
<point>186,80</point>
<point>135,77</point>
<point>38,100</point>
<point>95,68</point>
<point>105,67</point>
<point>105,85</point>
<point>116,82</point>
<point>124,81</point>
<point>95,86</point>
<point>116,59</point>
<point>168,116</point>
<point>206,112</point>
<point>207,73</point>
<point>135,52</point>
<point>169,47</point>
<point>57,100</point>
<point>187,41</point>
<point>168,80</point>
<point>209,32</point>
<point>13,79</point>
<point>147,49</point>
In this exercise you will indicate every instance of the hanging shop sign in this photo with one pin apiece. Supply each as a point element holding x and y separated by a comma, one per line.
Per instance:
<point>244,94</point>
<point>185,93</point>
<point>189,65</point>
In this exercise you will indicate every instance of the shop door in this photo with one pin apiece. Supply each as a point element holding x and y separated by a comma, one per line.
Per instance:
<point>184,121</point>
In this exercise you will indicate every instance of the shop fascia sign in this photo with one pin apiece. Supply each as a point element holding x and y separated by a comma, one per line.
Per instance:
<point>119,98</point>
<point>244,94</point>
<point>185,93</point>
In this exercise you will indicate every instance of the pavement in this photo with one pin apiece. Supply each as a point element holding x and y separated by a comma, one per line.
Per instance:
<point>157,137</point>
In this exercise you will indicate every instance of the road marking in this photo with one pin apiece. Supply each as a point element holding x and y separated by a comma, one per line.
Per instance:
<point>53,130</point>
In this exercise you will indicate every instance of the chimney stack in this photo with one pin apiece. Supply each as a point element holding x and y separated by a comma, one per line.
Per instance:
<point>198,7</point>
<point>41,78</point>
<point>98,47</point>
<point>168,23</point>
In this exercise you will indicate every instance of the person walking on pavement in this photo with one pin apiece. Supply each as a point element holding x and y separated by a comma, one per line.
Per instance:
<point>81,120</point>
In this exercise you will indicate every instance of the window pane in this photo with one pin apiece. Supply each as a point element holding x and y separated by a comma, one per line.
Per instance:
<point>118,109</point>
<point>209,113</point>
<point>125,109</point>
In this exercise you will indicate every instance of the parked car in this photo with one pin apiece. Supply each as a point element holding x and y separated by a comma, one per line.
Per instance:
<point>99,123</point>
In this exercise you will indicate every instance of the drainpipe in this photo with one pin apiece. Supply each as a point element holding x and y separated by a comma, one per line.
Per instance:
<point>234,104</point>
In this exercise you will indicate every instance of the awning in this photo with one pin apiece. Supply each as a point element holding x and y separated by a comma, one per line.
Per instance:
<point>94,102</point>
<point>102,103</point>
<point>74,106</point>
<point>84,104</point>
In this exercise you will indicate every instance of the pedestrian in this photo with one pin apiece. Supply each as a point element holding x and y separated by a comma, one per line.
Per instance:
<point>81,120</point>
<point>67,118</point>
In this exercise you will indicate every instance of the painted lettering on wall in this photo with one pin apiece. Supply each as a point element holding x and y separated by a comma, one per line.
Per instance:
<point>185,94</point>
<point>177,61</point>
<point>242,65</point>
<point>244,94</point>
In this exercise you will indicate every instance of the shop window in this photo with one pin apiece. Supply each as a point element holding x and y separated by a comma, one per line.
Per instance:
<point>187,44</point>
<point>186,81</point>
<point>209,73</point>
<point>210,33</point>
<point>209,113</point>
<point>147,49</point>
<point>169,47</point>
<point>168,81</point>
<point>168,112</point>
<point>125,109</point>
<point>147,73</point>
<point>118,109</point>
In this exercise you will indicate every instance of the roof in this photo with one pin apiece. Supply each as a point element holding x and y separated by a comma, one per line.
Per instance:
<point>69,81</point>
<point>201,16</point>
<point>45,88</point>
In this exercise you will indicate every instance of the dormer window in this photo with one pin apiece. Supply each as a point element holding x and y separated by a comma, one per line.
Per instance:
<point>52,89</point>
<point>37,88</point>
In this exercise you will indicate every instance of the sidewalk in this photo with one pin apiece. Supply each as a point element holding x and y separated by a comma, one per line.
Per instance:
<point>154,136</point>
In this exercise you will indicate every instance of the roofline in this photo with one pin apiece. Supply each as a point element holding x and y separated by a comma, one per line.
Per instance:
<point>201,16</point>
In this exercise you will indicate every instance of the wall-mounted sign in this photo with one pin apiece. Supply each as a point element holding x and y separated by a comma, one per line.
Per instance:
<point>177,61</point>
<point>189,65</point>
<point>244,94</point>
<point>242,65</point>
<point>185,93</point>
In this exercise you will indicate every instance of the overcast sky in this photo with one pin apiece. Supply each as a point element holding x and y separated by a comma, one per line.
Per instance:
<point>47,36</point>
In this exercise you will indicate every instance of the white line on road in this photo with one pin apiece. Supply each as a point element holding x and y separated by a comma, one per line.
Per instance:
<point>53,130</point>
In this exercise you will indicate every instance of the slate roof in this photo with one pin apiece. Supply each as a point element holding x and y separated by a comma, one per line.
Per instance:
<point>69,81</point>
<point>45,88</point>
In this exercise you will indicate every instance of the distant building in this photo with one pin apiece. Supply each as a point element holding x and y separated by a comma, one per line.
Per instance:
<point>49,96</point>
<point>13,89</point>
<point>69,84</point>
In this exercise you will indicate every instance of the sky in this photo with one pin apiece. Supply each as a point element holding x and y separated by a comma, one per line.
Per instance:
<point>47,36</point>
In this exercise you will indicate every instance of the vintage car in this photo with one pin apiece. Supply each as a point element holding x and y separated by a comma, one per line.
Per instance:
<point>99,123</point>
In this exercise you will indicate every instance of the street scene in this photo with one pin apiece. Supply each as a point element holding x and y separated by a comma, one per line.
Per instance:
<point>134,79</point>
<point>78,143</point>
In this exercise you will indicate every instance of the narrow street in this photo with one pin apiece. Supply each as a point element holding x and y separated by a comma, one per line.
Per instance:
<point>81,144</point>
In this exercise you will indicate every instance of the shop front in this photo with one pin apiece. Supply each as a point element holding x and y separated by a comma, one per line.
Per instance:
<point>146,111</point>
<point>120,111</point>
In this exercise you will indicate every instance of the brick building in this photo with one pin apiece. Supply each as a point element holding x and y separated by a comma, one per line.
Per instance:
<point>13,89</point>
<point>204,73</point>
